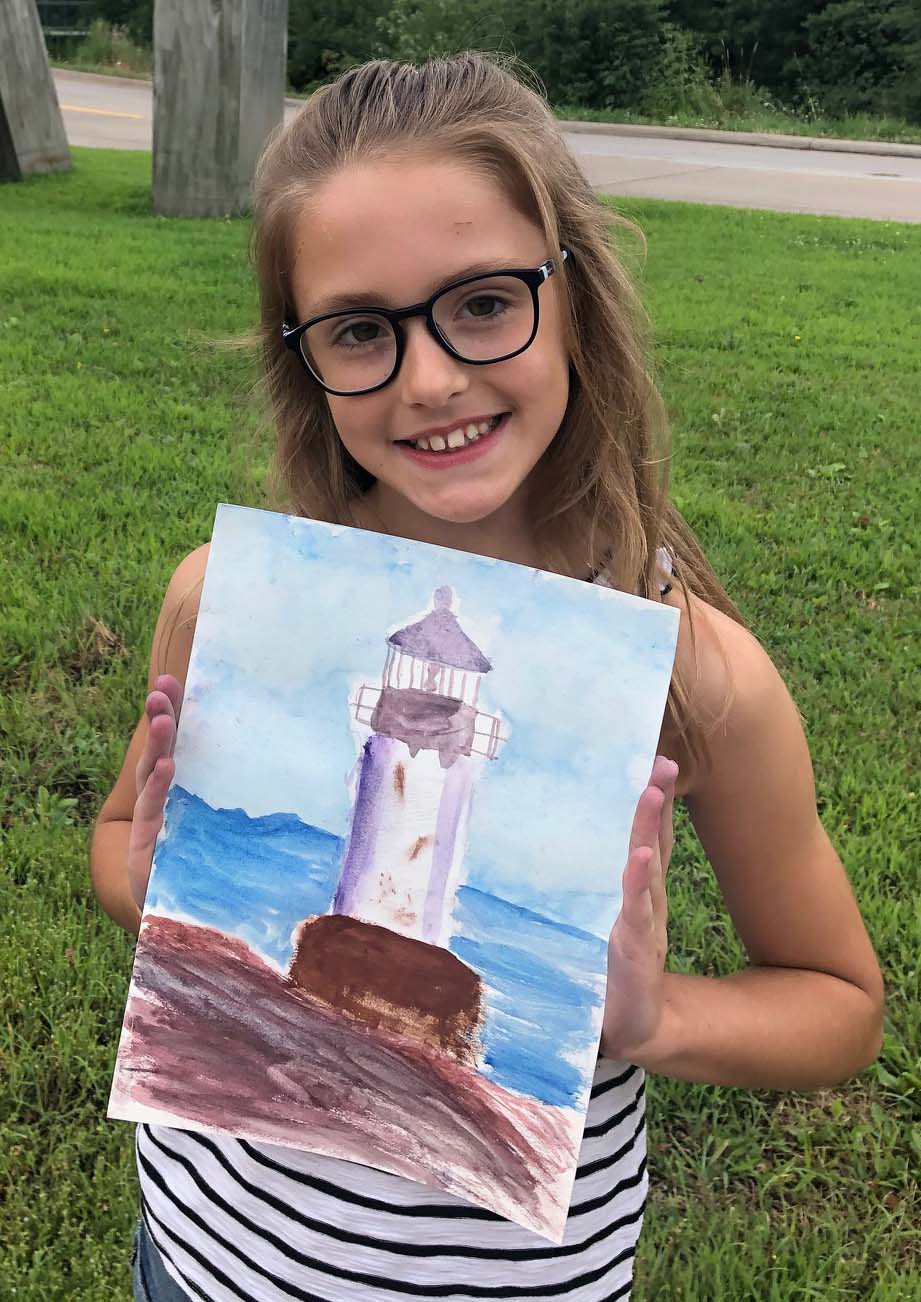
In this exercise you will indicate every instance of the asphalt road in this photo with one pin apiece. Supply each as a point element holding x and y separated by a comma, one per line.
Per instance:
<point>116,113</point>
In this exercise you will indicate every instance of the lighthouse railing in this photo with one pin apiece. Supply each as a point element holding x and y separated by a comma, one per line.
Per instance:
<point>493,735</point>
<point>364,708</point>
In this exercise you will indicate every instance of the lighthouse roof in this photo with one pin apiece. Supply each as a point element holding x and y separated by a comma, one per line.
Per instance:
<point>439,637</point>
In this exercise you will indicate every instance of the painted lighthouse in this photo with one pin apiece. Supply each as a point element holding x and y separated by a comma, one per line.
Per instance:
<point>418,768</point>
<point>381,954</point>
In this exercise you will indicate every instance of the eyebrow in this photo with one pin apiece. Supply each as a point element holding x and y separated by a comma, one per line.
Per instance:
<point>370,298</point>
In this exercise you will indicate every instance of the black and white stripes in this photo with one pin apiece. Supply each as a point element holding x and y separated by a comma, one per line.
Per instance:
<point>235,1220</point>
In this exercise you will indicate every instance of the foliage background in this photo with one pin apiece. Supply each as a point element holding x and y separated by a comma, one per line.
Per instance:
<point>809,57</point>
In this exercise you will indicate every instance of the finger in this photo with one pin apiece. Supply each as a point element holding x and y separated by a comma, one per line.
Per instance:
<point>640,934</point>
<point>161,736</point>
<point>172,688</point>
<point>146,825</point>
<point>666,820</point>
<point>164,699</point>
<point>159,703</point>
<point>657,888</point>
<point>645,829</point>
<point>148,809</point>
<point>637,914</point>
<point>663,778</point>
<point>653,828</point>
<point>664,772</point>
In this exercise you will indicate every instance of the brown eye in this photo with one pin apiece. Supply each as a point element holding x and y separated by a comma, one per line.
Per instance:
<point>362,332</point>
<point>480,307</point>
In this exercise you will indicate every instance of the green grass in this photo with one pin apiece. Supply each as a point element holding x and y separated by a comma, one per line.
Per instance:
<point>788,352</point>
<point>102,69</point>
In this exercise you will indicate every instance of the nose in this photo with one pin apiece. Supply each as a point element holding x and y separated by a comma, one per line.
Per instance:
<point>428,376</point>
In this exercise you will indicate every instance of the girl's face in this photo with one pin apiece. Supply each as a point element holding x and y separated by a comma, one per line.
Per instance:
<point>400,230</point>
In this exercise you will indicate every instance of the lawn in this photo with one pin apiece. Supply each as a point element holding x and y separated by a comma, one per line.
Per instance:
<point>788,352</point>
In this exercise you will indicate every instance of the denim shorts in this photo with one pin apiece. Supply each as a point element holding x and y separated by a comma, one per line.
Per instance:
<point>149,1277</point>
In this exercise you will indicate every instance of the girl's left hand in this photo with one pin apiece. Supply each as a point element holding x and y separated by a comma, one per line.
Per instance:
<point>639,939</point>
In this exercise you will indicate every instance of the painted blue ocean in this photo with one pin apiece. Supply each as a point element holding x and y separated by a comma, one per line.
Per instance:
<point>258,877</point>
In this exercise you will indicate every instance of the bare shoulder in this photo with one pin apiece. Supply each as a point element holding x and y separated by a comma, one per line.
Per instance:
<point>172,642</point>
<point>188,574</point>
<point>736,691</point>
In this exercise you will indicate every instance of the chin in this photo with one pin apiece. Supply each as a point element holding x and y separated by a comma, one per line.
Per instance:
<point>464,508</point>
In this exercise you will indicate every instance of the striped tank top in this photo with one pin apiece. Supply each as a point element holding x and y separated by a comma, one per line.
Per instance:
<point>238,1221</point>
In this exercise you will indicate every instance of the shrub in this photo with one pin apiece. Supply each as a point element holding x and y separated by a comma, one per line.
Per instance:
<point>680,81</point>
<point>323,40</point>
<point>411,31</point>
<point>600,53</point>
<point>134,16</point>
<point>866,57</point>
<point>111,47</point>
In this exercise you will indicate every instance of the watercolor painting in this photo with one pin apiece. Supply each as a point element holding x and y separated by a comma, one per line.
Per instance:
<point>376,926</point>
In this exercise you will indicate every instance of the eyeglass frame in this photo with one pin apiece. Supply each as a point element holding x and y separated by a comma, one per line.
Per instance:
<point>533,277</point>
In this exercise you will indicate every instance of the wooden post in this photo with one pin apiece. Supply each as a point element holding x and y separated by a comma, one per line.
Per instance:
<point>32,135</point>
<point>219,88</point>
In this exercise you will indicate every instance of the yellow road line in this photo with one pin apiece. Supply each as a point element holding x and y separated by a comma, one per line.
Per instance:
<point>102,113</point>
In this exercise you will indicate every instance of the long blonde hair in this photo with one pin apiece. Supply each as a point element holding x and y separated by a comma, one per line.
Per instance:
<point>605,475</point>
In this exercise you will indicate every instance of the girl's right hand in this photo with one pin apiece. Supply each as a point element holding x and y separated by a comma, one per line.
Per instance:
<point>155,771</point>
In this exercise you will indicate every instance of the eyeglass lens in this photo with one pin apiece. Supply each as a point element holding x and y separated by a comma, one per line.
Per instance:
<point>482,321</point>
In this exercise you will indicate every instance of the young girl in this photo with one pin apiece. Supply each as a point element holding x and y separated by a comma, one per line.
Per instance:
<point>453,354</point>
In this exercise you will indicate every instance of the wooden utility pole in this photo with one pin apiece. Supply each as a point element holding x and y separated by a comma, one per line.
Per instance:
<point>219,87</point>
<point>32,136</point>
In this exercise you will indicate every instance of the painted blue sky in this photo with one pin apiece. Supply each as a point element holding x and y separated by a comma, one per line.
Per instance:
<point>295,616</point>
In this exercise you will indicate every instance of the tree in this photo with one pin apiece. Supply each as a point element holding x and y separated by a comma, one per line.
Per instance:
<point>600,53</point>
<point>865,56</point>
<point>325,38</point>
<point>134,15</point>
<point>754,40</point>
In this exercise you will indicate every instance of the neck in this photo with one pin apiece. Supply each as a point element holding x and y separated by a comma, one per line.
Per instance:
<point>507,534</point>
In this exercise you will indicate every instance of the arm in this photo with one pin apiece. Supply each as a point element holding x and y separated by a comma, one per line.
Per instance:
<point>807,1012</point>
<point>130,819</point>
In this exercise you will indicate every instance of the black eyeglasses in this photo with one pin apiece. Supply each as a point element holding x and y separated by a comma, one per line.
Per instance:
<point>359,349</point>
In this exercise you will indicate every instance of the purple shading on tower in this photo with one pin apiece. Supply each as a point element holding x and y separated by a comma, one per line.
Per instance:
<point>382,953</point>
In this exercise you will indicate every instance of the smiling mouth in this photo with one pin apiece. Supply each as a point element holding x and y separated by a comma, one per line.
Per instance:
<point>456,439</point>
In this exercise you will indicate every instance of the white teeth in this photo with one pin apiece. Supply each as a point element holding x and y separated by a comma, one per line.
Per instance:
<point>456,438</point>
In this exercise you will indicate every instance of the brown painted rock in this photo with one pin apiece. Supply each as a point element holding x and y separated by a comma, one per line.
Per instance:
<point>391,982</point>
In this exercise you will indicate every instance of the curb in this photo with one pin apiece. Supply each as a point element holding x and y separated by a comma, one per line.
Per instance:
<point>824,144</point>
<point>100,76</point>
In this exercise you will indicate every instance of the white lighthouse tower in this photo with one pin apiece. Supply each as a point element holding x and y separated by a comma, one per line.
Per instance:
<point>405,850</point>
